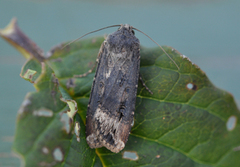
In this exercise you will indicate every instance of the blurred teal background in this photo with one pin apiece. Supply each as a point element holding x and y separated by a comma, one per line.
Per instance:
<point>206,31</point>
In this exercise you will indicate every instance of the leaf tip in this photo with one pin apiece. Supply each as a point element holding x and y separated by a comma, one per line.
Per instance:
<point>10,28</point>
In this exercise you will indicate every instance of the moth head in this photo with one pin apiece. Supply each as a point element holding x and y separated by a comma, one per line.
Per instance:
<point>128,27</point>
<point>123,41</point>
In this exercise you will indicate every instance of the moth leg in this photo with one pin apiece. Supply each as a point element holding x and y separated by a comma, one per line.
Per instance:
<point>89,71</point>
<point>140,78</point>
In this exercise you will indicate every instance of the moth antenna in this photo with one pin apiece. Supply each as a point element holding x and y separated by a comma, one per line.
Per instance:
<point>89,33</point>
<point>158,45</point>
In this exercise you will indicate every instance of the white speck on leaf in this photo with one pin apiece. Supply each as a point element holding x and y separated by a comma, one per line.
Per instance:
<point>45,150</point>
<point>77,131</point>
<point>190,86</point>
<point>132,155</point>
<point>185,57</point>
<point>231,123</point>
<point>43,112</point>
<point>25,103</point>
<point>57,154</point>
<point>66,122</point>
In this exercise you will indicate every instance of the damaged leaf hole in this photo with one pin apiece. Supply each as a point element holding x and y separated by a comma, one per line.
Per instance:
<point>131,155</point>
<point>45,150</point>
<point>73,108</point>
<point>77,131</point>
<point>25,103</point>
<point>191,86</point>
<point>66,122</point>
<point>42,112</point>
<point>58,154</point>
<point>231,123</point>
<point>29,74</point>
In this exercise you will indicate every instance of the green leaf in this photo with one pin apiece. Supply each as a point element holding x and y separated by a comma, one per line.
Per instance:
<point>45,133</point>
<point>187,121</point>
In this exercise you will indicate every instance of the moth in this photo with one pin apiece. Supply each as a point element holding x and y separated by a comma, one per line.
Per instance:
<point>111,107</point>
<point>112,100</point>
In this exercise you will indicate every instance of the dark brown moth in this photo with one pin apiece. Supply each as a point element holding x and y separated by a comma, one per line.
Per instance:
<point>113,95</point>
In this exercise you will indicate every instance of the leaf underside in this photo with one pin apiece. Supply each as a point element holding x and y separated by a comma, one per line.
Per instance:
<point>186,122</point>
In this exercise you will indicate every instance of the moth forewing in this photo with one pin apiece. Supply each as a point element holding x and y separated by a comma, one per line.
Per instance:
<point>113,95</point>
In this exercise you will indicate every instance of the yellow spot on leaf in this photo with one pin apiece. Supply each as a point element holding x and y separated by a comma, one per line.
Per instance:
<point>29,75</point>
